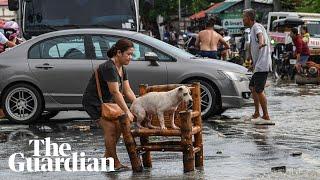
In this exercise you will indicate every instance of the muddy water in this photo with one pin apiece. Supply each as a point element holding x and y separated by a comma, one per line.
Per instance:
<point>233,149</point>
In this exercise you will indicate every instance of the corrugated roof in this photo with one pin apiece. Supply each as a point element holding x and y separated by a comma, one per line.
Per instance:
<point>223,6</point>
<point>202,14</point>
<point>3,2</point>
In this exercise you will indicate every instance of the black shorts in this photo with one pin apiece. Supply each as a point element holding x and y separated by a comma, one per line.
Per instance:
<point>258,81</point>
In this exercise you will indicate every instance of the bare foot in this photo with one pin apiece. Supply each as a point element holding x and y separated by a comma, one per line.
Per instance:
<point>255,115</point>
<point>121,167</point>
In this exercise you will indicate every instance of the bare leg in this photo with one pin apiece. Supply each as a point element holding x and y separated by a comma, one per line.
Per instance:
<point>263,102</point>
<point>256,102</point>
<point>111,132</point>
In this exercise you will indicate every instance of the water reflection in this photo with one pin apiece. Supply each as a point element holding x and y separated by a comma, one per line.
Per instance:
<point>245,151</point>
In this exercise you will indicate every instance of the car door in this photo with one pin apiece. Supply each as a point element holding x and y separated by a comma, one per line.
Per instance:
<point>139,70</point>
<point>62,68</point>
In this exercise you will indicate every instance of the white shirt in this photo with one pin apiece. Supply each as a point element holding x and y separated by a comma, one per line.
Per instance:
<point>261,57</point>
<point>3,39</point>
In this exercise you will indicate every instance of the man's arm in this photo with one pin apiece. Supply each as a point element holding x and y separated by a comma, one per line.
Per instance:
<point>197,43</point>
<point>10,44</point>
<point>261,40</point>
<point>249,50</point>
<point>5,41</point>
<point>226,45</point>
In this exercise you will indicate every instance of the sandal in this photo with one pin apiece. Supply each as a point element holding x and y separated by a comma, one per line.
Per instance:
<point>248,118</point>
<point>122,168</point>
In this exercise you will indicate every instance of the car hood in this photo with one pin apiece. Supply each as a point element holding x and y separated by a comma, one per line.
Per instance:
<point>220,65</point>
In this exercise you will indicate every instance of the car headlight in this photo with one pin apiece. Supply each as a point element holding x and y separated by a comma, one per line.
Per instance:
<point>235,76</point>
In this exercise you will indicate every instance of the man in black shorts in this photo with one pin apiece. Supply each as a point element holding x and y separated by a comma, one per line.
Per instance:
<point>261,58</point>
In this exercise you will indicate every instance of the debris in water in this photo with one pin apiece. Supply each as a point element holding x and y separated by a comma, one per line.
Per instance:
<point>20,135</point>
<point>82,128</point>
<point>221,135</point>
<point>3,138</point>
<point>296,153</point>
<point>279,169</point>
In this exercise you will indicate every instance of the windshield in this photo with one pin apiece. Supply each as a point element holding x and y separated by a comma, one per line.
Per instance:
<point>54,14</point>
<point>314,29</point>
<point>165,46</point>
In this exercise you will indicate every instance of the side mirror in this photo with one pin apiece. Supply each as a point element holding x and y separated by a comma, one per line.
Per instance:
<point>13,5</point>
<point>152,57</point>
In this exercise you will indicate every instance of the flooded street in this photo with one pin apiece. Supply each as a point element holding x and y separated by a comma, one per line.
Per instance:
<point>233,149</point>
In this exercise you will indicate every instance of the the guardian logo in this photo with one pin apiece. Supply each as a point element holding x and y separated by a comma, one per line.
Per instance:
<point>55,157</point>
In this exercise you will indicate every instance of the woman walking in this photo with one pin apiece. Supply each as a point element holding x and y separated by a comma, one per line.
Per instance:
<point>115,86</point>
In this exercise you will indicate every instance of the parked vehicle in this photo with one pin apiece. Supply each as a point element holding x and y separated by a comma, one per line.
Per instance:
<point>283,59</point>
<point>310,20</point>
<point>50,72</point>
<point>37,17</point>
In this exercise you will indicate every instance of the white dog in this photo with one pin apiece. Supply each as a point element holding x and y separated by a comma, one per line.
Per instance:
<point>157,103</point>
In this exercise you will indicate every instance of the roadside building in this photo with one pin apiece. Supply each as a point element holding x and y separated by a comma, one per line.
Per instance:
<point>229,14</point>
<point>5,13</point>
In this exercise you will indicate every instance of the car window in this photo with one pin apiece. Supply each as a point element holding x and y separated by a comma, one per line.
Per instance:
<point>102,44</point>
<point>66,47</point>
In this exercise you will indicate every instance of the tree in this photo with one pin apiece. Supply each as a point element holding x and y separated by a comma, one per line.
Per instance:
<point>168,8</point>
<point>309,6</point>
<point>276,5</point>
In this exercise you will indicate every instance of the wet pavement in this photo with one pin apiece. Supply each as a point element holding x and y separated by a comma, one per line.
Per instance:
<point>233,149</point>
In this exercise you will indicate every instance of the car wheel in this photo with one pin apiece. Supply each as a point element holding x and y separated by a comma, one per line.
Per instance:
<point>22,103</point>
<point>48,115</point>
<point>209,99</point>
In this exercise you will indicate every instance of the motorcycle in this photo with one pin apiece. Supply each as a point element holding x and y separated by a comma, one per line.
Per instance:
<point>11,32</point>
<point>283,62</point>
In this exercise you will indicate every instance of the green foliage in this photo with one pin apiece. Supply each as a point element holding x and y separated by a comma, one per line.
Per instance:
<point>167,8</point>
<point>312,6</point>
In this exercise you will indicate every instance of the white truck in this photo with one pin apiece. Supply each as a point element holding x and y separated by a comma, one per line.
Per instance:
<point>311,20</point>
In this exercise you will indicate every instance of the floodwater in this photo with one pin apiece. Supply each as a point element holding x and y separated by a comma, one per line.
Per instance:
<point>233,149</point>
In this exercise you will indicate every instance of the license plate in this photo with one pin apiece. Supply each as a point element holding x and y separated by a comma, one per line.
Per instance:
<point>293,61</point>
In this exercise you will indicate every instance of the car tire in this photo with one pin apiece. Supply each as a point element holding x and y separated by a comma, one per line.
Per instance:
<point>210,103</point>
<point>22,103</point>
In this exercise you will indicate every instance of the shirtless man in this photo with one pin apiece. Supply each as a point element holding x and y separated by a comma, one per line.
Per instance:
<point>207,41</point>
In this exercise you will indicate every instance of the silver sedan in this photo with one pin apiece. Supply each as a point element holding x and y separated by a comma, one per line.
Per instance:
<point>49,73</point>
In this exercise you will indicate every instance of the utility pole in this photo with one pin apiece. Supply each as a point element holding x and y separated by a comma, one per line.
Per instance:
<point>179,10</point>
<point>179,13</point>
<point>247,4</point>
